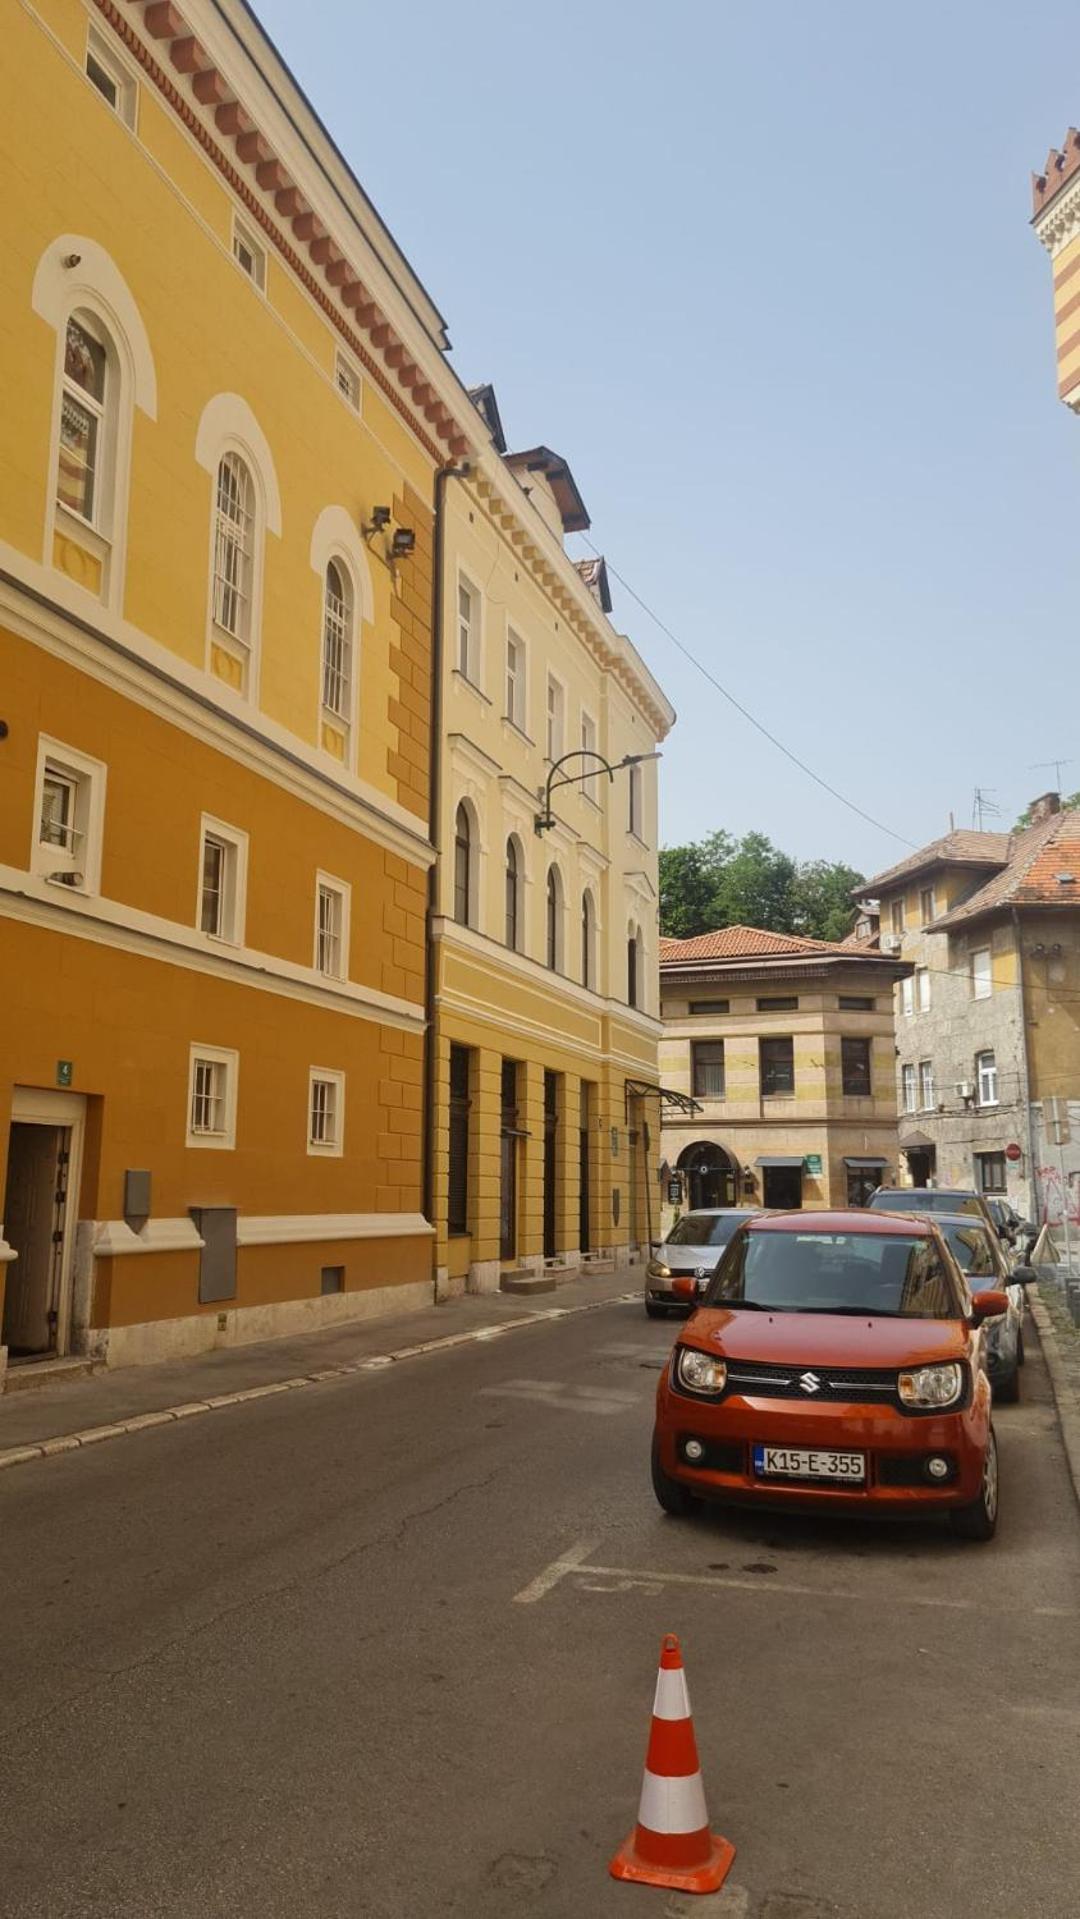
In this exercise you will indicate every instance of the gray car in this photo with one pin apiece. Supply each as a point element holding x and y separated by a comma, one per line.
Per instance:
<point>691,1250</point>
<point>984,1263</point>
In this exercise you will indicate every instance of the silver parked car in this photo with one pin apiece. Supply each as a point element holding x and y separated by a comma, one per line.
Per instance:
<point>690,1251</point>
<point>984,1262</point>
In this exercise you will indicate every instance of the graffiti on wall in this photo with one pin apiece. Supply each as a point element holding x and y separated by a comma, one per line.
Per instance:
<point>1055,1196</point>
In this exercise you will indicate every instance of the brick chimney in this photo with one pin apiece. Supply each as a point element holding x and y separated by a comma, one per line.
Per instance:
<point>1042,808</point>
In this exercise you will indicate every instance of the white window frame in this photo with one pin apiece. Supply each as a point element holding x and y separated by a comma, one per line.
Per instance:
<point>342,891</point>
<point>982,979</point>
<point>234,890</point>
<point>517,683</point>
<point>242,646</point>
<point>335,1147</point>
<point>126,104</point>
<point>555,718</point>
<point>922,989</point>
<point>245,240</point>
<point>927,1100</point>
<point>347,380</point>
<point>76,868</point>
<point>635,803</point>
<point>345,721</point>
<point>96,530</point>
<point>589,739</point>
<point>468,647</point>
<point>909,1088</point>
<point>907,997</point>
<point>228,1059</point>
<point>986,1077</point>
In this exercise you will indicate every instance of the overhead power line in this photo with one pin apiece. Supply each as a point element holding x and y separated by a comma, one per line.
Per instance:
<point>752,719</point>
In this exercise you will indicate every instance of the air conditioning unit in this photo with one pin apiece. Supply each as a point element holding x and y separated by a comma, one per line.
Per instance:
<point>890,942</point>
<point>964,1089</point>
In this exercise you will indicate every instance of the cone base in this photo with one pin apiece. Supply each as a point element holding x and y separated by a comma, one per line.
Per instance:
<point>628,1864</point>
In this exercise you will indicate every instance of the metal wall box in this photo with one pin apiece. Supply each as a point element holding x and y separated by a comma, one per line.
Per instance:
<point>216,1226</point>
<point>137,1198</point>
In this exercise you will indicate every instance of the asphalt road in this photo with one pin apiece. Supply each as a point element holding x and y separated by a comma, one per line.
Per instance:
<point>386,1648</point>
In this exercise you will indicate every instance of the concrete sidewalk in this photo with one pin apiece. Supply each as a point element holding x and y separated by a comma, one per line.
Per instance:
<point>112,1399</point>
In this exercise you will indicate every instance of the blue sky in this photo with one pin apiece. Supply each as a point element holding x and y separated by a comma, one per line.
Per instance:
<point>764,276</point>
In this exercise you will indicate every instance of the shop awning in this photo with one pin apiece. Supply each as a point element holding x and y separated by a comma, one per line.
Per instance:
<point>647,1089</point>
<point>780,1159</point>
<point>918,1141</point>
<point>870,1163</point>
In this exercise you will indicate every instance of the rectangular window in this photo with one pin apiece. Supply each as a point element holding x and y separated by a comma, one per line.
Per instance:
<point>987,1075</point>
<point>222,881</point>
<point>69,814</point>
<point>591,786</point>
<point>785,1003</point>
<point>468,646</point>
<point>326,1111</point>
<point>111,78</point>
<point>856,1003</point>
<point>347,381</point>
<point>457,1216</point>
<point>981,982</point>
<point>907,1088</point>
<point>777,1066</point>
<point>707,1068</point>
<point>332,904</point>
<point>855,1067</point>
<point>922,989</point>
<point>907,995</point>
<point>556,719</point>
<point>927,905</point>
<point>515,681</point>
<point>249,255</point>
<point>990,1169</point>
<point>896,911</point>
<point>212,1078</point>
<point>926,1085</point>
<point>710,1006</point>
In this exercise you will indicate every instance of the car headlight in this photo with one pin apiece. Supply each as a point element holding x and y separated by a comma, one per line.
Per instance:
<point>657,1270</point>
<point>699,1372</point>
<point>931,1385</point>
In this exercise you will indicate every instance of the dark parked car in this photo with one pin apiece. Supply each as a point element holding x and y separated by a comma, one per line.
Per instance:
<point>981,1258</point>
<point>931,1199</point>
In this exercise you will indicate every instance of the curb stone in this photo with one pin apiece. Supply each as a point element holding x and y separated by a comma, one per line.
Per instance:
<point>1066,1399</point>
<point>143,1422</point>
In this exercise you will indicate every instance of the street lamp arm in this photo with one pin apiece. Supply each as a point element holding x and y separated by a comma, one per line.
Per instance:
<point>545,820</point>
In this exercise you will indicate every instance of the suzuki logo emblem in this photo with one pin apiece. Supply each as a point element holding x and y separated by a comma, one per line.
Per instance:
<point>703,1272</point>
<point>809,1382</point>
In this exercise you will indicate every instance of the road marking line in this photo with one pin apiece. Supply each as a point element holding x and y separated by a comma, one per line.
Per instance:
<point>790,1589</point>
<point>567,1562</point>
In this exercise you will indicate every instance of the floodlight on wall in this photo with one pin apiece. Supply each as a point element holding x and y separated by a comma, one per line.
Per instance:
<point>402,543</point>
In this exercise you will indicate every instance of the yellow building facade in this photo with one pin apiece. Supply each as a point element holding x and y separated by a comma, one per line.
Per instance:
<point>226,402</point>
<point>545,939</point>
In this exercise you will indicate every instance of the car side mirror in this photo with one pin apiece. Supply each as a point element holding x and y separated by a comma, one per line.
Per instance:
<point>687,1289</point>
<point>989,1304</point>
<point>1023,1276</point>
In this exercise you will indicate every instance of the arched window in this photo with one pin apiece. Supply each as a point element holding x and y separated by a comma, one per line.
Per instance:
<point>463,859</point>
<point>88,407</point>
<point>634,981</point>
<point>234,559</point>
<point>588,941</point>
<point>339,603</point>
<point>554,919</point>
<point>513,895</point>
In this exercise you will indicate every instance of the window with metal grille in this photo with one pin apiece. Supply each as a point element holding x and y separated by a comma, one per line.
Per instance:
<point>337,643</point>
<point>233,548</point>
<point>987,1074</point>
<point>462,865</point>
<point>347,381</point>
<point>513,895</point>
<point>707,1068</point>
<point>457,1217</point>
<point>330,930</point>
<point>86,404</point>
<point>776,1065</point>
<point>324,1111</point>
<point>208,1095</point>
<point>926,1085</point>
<point>855,1067</point>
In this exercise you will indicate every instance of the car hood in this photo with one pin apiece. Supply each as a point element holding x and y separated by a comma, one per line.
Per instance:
<point>824,1339</point>
<point>687,1259</point>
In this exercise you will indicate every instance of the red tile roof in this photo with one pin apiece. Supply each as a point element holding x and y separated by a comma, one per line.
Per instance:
<point>746,942</point>
<point>961,848</point>
<point>1031,878</point>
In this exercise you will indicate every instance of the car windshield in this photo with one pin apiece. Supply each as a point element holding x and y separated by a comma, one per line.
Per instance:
<point>923,1199</point>
<point>892,1274</point>
<point>703,1229</point>
<point>971,1248</point>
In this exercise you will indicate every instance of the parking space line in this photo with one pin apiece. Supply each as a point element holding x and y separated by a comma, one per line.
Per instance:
<point>567,1562</point>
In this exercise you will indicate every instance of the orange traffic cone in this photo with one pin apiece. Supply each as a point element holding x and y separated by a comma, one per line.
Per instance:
<point>671,1845</point>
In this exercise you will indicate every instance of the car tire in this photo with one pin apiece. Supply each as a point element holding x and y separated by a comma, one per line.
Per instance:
<point>979,1520</point>
<point>674,1498</point>
<point>1008,1392</point>
<point>654,1311</point>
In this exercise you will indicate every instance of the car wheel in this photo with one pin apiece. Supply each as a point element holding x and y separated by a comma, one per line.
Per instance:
<point>1008,1392</point>
<point>1020,1354</point>
<point>670,1495</point>
<point>979,1520</point>
<point>654,1311</point>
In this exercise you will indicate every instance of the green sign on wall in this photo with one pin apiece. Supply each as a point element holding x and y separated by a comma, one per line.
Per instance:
<point>812,1164</point>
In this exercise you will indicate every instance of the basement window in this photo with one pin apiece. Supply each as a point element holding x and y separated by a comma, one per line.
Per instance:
<point>111,78</point>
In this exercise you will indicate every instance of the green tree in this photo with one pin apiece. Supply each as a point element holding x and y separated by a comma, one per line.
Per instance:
<point>755,886</point>
<point>821,900</point>
<point>689,876</point>
<point>719,881</point>
<point>1068,803</point>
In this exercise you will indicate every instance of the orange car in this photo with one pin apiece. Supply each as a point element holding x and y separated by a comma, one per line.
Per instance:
<point>836,1364</point>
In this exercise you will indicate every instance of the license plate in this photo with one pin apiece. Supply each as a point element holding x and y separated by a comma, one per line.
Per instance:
<point>799,1462</point>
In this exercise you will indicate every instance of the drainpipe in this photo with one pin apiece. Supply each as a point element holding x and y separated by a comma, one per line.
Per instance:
<point>1025,1085</point>
<point>443,475</point>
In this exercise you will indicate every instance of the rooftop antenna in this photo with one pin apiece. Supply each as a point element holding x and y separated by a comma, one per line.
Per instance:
<point>1043,766</point>
<point>984,807</point>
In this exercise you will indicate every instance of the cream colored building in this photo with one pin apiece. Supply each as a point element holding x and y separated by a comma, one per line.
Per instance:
<point>786,1045</point>
<point>547,1015</point>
